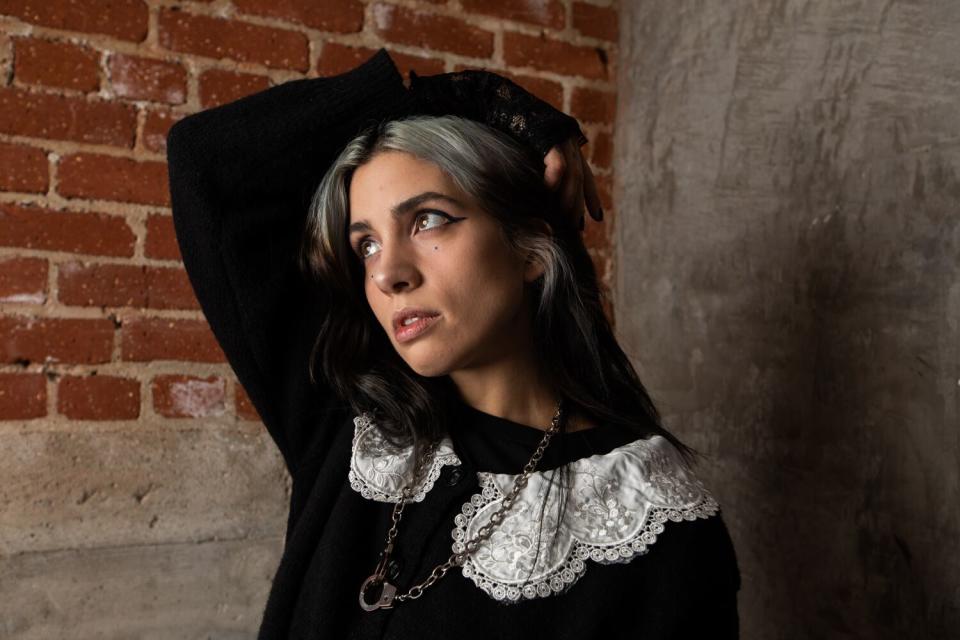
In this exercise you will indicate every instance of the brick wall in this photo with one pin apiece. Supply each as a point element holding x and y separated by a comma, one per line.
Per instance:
<point>104,354</point>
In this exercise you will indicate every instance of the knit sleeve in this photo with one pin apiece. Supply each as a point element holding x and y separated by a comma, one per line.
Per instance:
<point>713,583</point>
<point>490,98</point>
<point>241,176</point>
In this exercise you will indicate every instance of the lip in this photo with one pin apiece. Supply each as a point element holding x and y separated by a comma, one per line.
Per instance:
<point>407,312</point>
<point>418,328</point>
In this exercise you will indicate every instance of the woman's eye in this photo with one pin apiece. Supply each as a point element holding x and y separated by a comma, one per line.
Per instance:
<point>421,216</point>
<point>360,247</point>
<point>431,213</point>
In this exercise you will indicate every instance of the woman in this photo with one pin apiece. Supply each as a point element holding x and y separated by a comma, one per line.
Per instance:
<point>430,497</point>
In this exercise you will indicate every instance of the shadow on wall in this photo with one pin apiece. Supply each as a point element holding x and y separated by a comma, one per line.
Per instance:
<point>795,173</point>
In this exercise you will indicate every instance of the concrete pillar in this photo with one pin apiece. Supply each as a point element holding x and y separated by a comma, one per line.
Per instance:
<point>787,284</point>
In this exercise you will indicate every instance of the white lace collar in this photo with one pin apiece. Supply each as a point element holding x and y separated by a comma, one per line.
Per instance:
<point>617,504</point>
<point>379,471</point>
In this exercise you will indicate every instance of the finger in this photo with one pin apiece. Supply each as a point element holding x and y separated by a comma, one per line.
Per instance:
<point>590,193</point>
<point>555,165</point>
<point>573,187</point>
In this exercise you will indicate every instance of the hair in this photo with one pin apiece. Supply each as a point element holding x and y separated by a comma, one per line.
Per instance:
<point>574,341</point>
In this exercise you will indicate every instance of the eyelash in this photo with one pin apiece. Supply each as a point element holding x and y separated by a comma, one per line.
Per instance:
<point>358,247</point>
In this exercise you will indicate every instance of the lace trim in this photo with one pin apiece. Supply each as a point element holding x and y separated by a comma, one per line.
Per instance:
<point>379,471</point>
<point>617,506</point>
<point>498,101</point>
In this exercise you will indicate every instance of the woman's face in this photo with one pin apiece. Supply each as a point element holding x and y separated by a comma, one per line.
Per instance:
<point>438,252</point>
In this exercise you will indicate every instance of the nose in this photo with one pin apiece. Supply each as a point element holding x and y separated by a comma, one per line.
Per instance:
<point>395,270</point>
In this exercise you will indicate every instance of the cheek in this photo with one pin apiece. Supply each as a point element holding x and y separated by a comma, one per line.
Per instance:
<point>377,302</point>
<point>485,296</point>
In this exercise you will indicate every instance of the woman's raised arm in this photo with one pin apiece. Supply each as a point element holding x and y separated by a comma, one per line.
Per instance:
<point>241,179</point>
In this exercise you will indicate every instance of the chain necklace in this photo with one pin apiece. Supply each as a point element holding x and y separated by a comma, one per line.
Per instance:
<point>389,592</point>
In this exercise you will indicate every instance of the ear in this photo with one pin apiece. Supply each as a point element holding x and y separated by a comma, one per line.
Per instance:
<point>534,269</point>
<point>545,226</point>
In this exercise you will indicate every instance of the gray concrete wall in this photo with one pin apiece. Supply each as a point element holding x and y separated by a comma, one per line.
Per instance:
<point>153,533</point>
<point>787,283</point>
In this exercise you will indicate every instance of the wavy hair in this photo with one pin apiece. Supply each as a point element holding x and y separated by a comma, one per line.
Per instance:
<point>574,341</point>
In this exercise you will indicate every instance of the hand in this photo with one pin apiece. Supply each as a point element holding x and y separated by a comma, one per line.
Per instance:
<point>567,170</point>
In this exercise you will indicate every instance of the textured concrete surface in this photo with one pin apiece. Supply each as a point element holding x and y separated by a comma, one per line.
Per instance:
<point>787,283</point>
<point>138,533</point>
<point>203,591</point>
<point>125,487</point>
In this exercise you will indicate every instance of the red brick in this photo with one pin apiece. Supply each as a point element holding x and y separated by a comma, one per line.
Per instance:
<point>599,150</point>
<point>242,41</point>
<point>169,288</point>
<point>604,184</point>
<point>430,31</point>
<point>594,21</point>
<point>423,66</point>
<point>88,175</point>
<point>161,242</point>
<point>123,285</point>
<point>113,285</point>
<point>145,339</point>
<point>23,396</point>
<point>592,105</point>
<point>23,168</point>
<point>337,58</point>
<point>156,126</point>
<point>341,16</point>
<point>596,235</point>
<point>520,50</point>
<point>602,264</point>
<point>546,13</point>
<point>73,340</point>
<point>547,90</point>
<point>98,397</point>
<point>23,280</point>
<point>179,396</point>
<point>122,19</point>
<point>219,87</point>
<point>244,407</point>
<point>56,64</point>
<point>88,233</point>
<point>56,117</point>
<point>138,78</point>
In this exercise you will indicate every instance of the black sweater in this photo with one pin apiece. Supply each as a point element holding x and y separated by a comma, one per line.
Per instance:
<point>241,176</point>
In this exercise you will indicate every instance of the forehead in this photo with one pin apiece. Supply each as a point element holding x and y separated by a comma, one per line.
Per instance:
<point>391,177</point>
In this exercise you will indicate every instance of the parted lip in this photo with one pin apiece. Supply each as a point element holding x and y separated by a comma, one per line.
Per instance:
<point>408,312</point>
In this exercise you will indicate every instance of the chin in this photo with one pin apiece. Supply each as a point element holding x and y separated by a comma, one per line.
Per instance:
<point>428,365</point>
<point>426,370</point>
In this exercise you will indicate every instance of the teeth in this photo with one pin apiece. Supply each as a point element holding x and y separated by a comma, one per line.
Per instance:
<point>411,320</point>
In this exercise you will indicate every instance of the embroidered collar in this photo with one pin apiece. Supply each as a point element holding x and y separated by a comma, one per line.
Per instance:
<point>379,471</point>
<point>617,505</point>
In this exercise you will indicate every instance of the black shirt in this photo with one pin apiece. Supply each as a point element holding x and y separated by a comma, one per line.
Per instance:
<point>240,178</point>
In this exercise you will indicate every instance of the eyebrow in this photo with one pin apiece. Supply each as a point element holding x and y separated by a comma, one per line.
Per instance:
<point>405,206</point>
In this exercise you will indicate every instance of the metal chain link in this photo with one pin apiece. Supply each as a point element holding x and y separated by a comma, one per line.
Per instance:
<point>456,559</point>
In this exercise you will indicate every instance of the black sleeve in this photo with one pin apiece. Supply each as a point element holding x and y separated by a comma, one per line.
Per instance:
<point>241,177</point>
<point>713,585</point>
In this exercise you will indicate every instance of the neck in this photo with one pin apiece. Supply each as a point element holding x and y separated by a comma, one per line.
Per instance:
<point>509,384</point>
<point>515,392</point>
